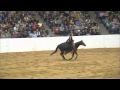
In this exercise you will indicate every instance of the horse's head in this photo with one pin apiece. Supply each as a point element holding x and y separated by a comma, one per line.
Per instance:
<point>82,43</point>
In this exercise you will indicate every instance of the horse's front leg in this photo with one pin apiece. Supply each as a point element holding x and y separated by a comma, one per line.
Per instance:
<point>76,55</point>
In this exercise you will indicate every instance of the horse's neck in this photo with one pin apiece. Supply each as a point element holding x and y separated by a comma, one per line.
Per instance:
<point>77,44</point>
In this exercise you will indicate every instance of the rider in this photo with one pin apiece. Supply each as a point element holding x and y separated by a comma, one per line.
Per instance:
<point>71,39</point>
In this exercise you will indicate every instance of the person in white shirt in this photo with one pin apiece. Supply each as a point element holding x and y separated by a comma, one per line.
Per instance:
<point>38,33</point>
<point>15,28</point>
<point>34,35</point>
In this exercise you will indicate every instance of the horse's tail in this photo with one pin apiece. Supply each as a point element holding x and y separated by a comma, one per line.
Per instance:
<point>55,50</point>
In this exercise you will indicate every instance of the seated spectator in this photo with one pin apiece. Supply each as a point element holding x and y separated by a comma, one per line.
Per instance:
<point>61,28</point>
<point>83,32</point>
<point>56,30</point>
<point>75,32</point>
<point>38,33</point>
<point>14,34</point>
<point>7,34</point>
<point>34,34</point>
<point>2,35</point>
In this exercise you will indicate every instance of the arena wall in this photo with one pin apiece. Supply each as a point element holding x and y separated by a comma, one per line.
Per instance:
<point>50,43</point>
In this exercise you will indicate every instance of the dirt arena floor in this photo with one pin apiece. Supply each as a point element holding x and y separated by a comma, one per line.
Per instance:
<point>91,64</point>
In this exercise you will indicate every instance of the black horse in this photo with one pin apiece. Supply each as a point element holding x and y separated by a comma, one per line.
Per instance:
<point>67,48</point>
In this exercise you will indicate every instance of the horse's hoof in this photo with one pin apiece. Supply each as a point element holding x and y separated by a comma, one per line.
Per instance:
<point>65,59</point>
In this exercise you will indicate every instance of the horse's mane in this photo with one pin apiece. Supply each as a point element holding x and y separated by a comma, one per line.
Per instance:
<point>77,44</point>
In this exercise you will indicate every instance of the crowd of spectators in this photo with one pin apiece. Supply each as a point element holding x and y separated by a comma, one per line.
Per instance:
<point>110,19</point>
<point>24,24</point>
<point>20,24</point>
<point>63,22</point>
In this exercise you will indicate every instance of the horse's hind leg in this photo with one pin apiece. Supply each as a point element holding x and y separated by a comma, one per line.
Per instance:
<point>62,54</point>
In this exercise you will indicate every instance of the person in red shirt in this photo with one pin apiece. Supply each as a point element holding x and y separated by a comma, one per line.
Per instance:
<point>56,30</point>
<point>8,25</point>
<point>34,27</point>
